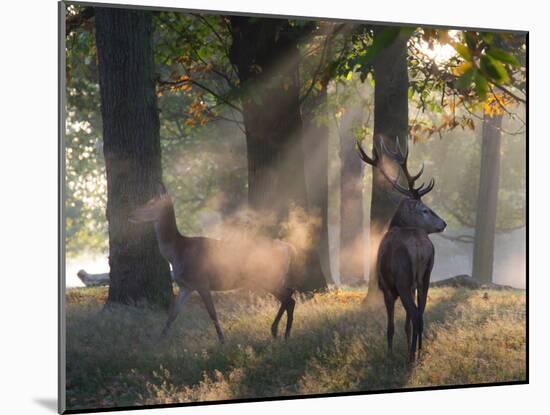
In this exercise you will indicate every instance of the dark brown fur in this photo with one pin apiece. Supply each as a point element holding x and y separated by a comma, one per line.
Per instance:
<point>406,254</point>
<point>404,265</point>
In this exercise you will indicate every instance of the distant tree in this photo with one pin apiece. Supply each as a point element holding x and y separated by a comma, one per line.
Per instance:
<point>319,61</point>
<point>482,268</point>
<point>131,145</point>
<point>316,135</point>
<point>352,243</point>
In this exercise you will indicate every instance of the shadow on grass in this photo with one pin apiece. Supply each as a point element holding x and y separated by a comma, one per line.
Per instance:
<point>350,347</point>
<point>112,358</point>
<point>392,371</point>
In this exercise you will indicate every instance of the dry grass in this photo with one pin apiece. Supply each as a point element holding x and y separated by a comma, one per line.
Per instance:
<point>117,358</point>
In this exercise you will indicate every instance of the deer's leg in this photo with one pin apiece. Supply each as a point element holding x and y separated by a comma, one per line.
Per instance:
<point>175,308</point>
<point>291,303</point>
<point>412,314</point>
<point>389,300</point>
<point>408,331</point>
<point>287,304</point>
<point>275,325</point>
<point>408,328</point>
<point>209,303</point>
<point>422,297</point>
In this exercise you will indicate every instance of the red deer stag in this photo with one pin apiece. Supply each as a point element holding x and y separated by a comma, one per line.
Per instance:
<point>204,264</point>
<point>406,254</point>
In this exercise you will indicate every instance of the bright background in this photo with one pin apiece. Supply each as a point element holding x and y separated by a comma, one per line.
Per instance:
<point>28,163</point>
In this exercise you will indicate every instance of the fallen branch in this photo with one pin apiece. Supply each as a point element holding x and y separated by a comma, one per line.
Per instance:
<point>97,280</point>
<point>466,281</point>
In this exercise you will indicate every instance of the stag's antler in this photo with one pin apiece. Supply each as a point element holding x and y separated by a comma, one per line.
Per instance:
<point>375,161</point>
<point>400,158</point>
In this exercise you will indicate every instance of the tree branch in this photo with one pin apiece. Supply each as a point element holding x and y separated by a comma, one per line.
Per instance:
<point>501,105</point>
<point>510,93</point>
<point>329,36</point>
<point>203,87</point>
<point>180,35</point>
<point>207,23</point>
<point>317,71</point>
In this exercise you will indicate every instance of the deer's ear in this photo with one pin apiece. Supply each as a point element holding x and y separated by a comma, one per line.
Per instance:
<point>161,190</point>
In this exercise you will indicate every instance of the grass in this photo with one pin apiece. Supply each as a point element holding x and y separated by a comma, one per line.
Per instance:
<point>117,358</point>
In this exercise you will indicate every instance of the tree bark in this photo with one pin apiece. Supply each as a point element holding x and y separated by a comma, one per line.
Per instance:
<point>484,239</point>
<point>131,146</point>
<point>391,120</point>
<point>352,240</point>
<point>266,56</point>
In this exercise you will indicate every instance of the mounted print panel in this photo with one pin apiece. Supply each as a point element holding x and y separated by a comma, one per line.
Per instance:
<point>271,207</point>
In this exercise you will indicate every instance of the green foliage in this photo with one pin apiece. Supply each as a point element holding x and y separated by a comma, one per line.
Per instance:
<point>502,56</point>
<point>365,47</point>
<point>336,346</point>
<point>381,41</point>
<point>465,80</point>
<point>494,69</point>
<point>481,85</point>
<point>463,51</point>
<point>489,62</point>
<point>482,60</point>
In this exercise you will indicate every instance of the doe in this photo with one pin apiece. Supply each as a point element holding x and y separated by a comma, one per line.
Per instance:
<point>205,264</point>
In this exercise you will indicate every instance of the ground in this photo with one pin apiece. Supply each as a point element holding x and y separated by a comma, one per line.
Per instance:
<point>117,358</point>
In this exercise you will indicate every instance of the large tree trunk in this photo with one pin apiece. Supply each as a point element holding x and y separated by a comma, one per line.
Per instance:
<point>266,56</point>
<point>391,118</point>
<point>131,146</point>
<point>352,240</point>
<point>482,269</point>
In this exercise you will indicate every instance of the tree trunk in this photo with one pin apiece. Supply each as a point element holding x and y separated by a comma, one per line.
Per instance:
<point>391,119</point>
<point>316,136</point>
<point>131,146</point>
<point>266,56</point>
<point>352,240</point>
<point>482,269</point>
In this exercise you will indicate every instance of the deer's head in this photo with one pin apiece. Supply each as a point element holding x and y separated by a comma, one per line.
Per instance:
<point>153,209</point>
<point>411,211</point>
